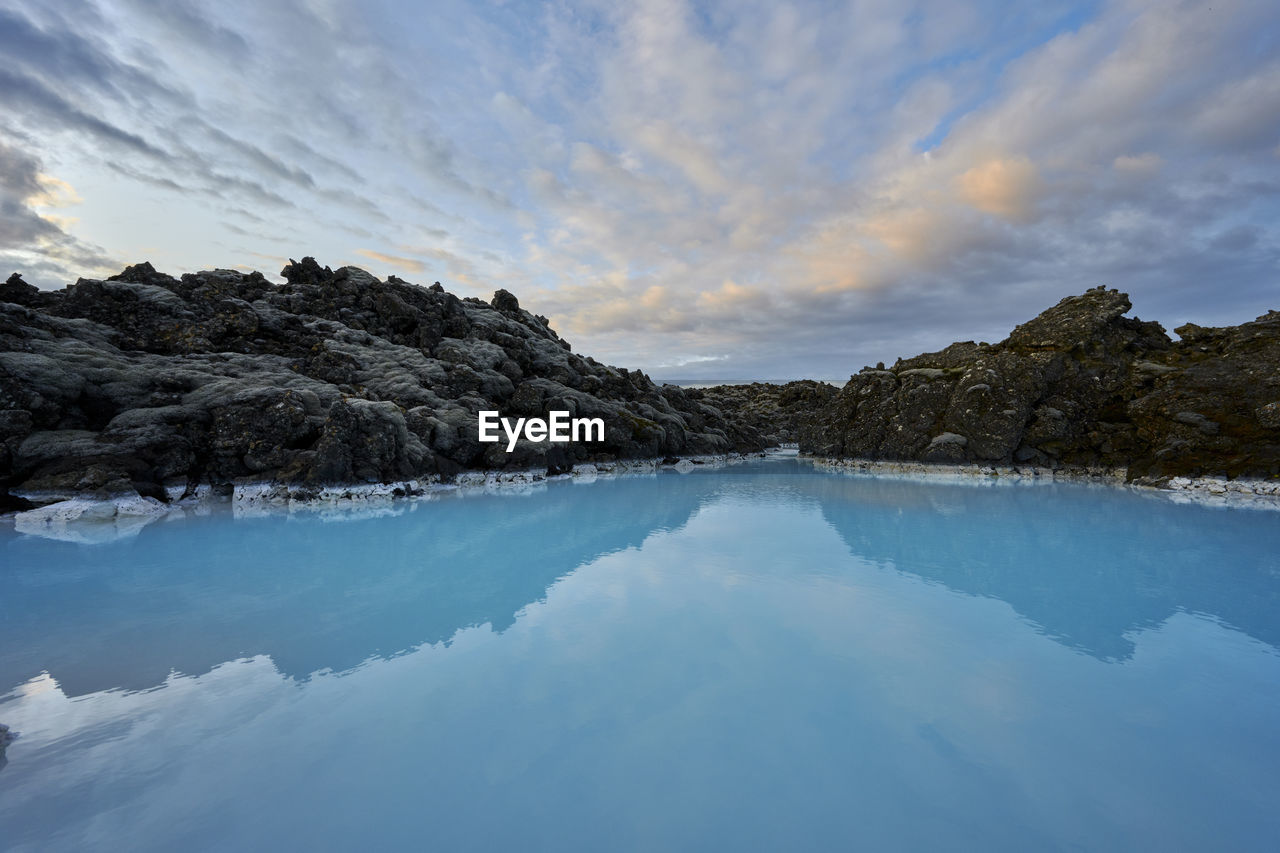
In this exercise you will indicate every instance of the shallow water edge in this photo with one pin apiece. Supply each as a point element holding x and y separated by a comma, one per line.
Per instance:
<point>88,520</point>
<point>1209,491</point>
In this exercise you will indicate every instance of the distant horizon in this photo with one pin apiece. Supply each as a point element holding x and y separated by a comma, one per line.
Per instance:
<point>718,380</point>
<point>683,187</point>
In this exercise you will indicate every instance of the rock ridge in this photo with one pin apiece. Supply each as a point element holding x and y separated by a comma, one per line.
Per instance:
<point>1079,387</point>
<point>126,386</point>
<point>777,412</point>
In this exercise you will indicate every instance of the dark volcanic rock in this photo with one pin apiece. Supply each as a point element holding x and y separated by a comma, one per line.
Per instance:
<point>775,411</point>
<point>1079,386</point>
<point>16,290</point>
<point>6,737</point>
<point>333,377</point>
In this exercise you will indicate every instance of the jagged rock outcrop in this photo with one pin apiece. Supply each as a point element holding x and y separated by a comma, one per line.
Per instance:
<point>144,380</point>
<point>1080,386</point>
<point>777,412</point>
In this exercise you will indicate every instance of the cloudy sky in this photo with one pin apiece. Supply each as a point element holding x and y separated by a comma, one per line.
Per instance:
<point>746,189</point>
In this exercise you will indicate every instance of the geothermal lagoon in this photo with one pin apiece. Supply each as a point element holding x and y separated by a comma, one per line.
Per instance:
<point>764,656</point>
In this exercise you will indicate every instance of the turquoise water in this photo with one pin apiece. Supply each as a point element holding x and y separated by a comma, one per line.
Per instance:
<point>763,657</point>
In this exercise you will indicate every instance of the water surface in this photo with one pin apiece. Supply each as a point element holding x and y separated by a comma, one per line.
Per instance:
<point>763,657</point>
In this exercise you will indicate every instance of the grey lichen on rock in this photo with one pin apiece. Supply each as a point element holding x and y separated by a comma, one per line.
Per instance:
<point>947,447</point>
<point>1269,415</point>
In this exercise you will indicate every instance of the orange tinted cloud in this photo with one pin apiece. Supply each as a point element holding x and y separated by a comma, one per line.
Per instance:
<point>1002,187</point>
<point>411,265</point>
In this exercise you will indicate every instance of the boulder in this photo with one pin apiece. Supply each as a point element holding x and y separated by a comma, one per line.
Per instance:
<point>18,291</point>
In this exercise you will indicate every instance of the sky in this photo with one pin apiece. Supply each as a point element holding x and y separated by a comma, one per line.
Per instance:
<point>736,190</point>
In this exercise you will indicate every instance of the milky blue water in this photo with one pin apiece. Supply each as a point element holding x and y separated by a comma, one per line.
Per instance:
<point>763,657</point>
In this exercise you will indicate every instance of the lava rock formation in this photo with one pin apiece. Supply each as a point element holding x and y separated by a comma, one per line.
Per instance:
<point>144,381</point>
<point>1080,386</point>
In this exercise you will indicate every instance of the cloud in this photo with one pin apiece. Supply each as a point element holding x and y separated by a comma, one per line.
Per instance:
<point>732,298</point>
<point>20,184</point>
<point>761,188</point>
<point>695,160</point>
<point>189,21</point>
<point>1145,164</point>
<point>24,94</point>
<point>1001,187</point>
<point>410,265</point>
<point>32,241</point>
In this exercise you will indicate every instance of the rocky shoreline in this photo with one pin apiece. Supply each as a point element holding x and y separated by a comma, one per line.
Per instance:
<point>95,519</point>
<point>144,382</point>
<point>1079,388</point>
<point>122,398</point>
<point>1209,491</point>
